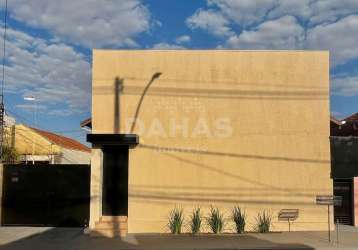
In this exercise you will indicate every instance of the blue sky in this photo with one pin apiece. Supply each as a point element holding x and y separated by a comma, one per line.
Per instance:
<point>49,44</point>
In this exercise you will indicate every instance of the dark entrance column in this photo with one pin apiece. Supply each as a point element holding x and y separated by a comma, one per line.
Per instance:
<point>115,148</point>
<point>115,181</point>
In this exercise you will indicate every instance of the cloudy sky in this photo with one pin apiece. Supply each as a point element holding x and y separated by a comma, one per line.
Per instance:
<point>49,44</point>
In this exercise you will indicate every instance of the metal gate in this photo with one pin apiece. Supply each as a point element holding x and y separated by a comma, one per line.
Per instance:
<point>343,213</point>
<point>46,195</point>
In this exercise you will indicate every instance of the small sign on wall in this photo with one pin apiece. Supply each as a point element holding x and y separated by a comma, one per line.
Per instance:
<point>329,200</point>
<point>14,179</point>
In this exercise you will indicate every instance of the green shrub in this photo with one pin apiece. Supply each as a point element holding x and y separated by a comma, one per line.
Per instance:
<point>176,220</point>
<point>195,221</point>
<point>215,220</point>
<point>239,217</point>
<point>263,222</point>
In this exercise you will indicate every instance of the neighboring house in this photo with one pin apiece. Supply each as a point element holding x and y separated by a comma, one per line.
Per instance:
<point>346,127</point>
<point>222,128</point>
<point>344,167</point>
<point>86,124</point>
<point>39,146</point>
<point>334,125</point>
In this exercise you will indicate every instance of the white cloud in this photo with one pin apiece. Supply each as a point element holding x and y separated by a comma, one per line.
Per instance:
<point>32,107</point>
<point>60,112</point>
<point>345,86</point>
<point>302,9</point>
<point>243,12</point>
<point>183,39</point>
<point>283,33</point>
<point>166,46</point>
<point>340,38</point>
<point>54,73</point>
<point>248,12</point>
<point>331,10</point>
<point>92,23</point>
<point>211,21</point>
<point>283,24</point>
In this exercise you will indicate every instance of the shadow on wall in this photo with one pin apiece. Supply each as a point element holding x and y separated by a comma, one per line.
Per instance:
<point>173,153</point>
<point>230,93</point>
<point>262,85</point>
<point>299,94</point>
<point>235,176</point>
<point>157,196</point>
<point>173,194</point>
<point>154,77</point>
<point>65,238</point>
<point>118,90</point>
<point>205,152</point>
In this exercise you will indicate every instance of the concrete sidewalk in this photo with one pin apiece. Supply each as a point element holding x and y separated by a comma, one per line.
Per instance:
<point>16,238</point>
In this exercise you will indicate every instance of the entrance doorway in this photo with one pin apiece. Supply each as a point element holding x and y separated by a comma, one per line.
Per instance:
<point>344,213</point>
<point>115,181</point>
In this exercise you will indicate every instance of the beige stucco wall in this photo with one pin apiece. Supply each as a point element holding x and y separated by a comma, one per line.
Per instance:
<point>220,128</point>
<point>96,187</point>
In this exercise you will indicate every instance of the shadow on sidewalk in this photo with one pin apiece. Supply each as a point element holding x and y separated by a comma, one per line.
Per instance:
<point>70,238</point>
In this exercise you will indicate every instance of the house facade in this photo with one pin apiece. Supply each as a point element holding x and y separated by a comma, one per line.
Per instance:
<point>344,148</point>
<point>35,145</point>
<point>204,128</point>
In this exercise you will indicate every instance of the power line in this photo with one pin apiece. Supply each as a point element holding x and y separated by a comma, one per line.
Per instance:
<point>4,50</point>
<point>48,150</point>
<point>78,133</point>
<point>75,131</point>
<point>29,122</point>
<point>2,107</point>
<point>22,118</point>
<point>59,135</point>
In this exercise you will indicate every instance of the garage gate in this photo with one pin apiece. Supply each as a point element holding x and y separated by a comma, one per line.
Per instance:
<point>46,195</point>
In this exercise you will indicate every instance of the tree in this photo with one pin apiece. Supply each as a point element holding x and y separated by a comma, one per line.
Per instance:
<point>9,155</point>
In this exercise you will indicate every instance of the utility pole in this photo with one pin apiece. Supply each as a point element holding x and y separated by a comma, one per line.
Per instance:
<point>2,127</point>
<point>2,106</point>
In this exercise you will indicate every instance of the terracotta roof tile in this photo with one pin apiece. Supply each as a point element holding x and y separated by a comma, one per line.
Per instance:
<point>62,141</point>
<point>86,123</point>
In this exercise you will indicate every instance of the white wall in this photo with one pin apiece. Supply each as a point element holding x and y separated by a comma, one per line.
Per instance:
<point>70,156</point>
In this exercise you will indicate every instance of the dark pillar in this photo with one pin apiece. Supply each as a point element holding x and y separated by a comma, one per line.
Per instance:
<point>115,181</point>
<point>115,148</point>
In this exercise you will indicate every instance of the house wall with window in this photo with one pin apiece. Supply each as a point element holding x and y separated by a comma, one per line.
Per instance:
<point>217,128</point>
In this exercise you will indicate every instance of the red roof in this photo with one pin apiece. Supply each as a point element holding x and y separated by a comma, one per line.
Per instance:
<point>345,127</point>
<point>353,117</point>
<point>335,121</point>
<point>87,123</point>
<point>62,141</point>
